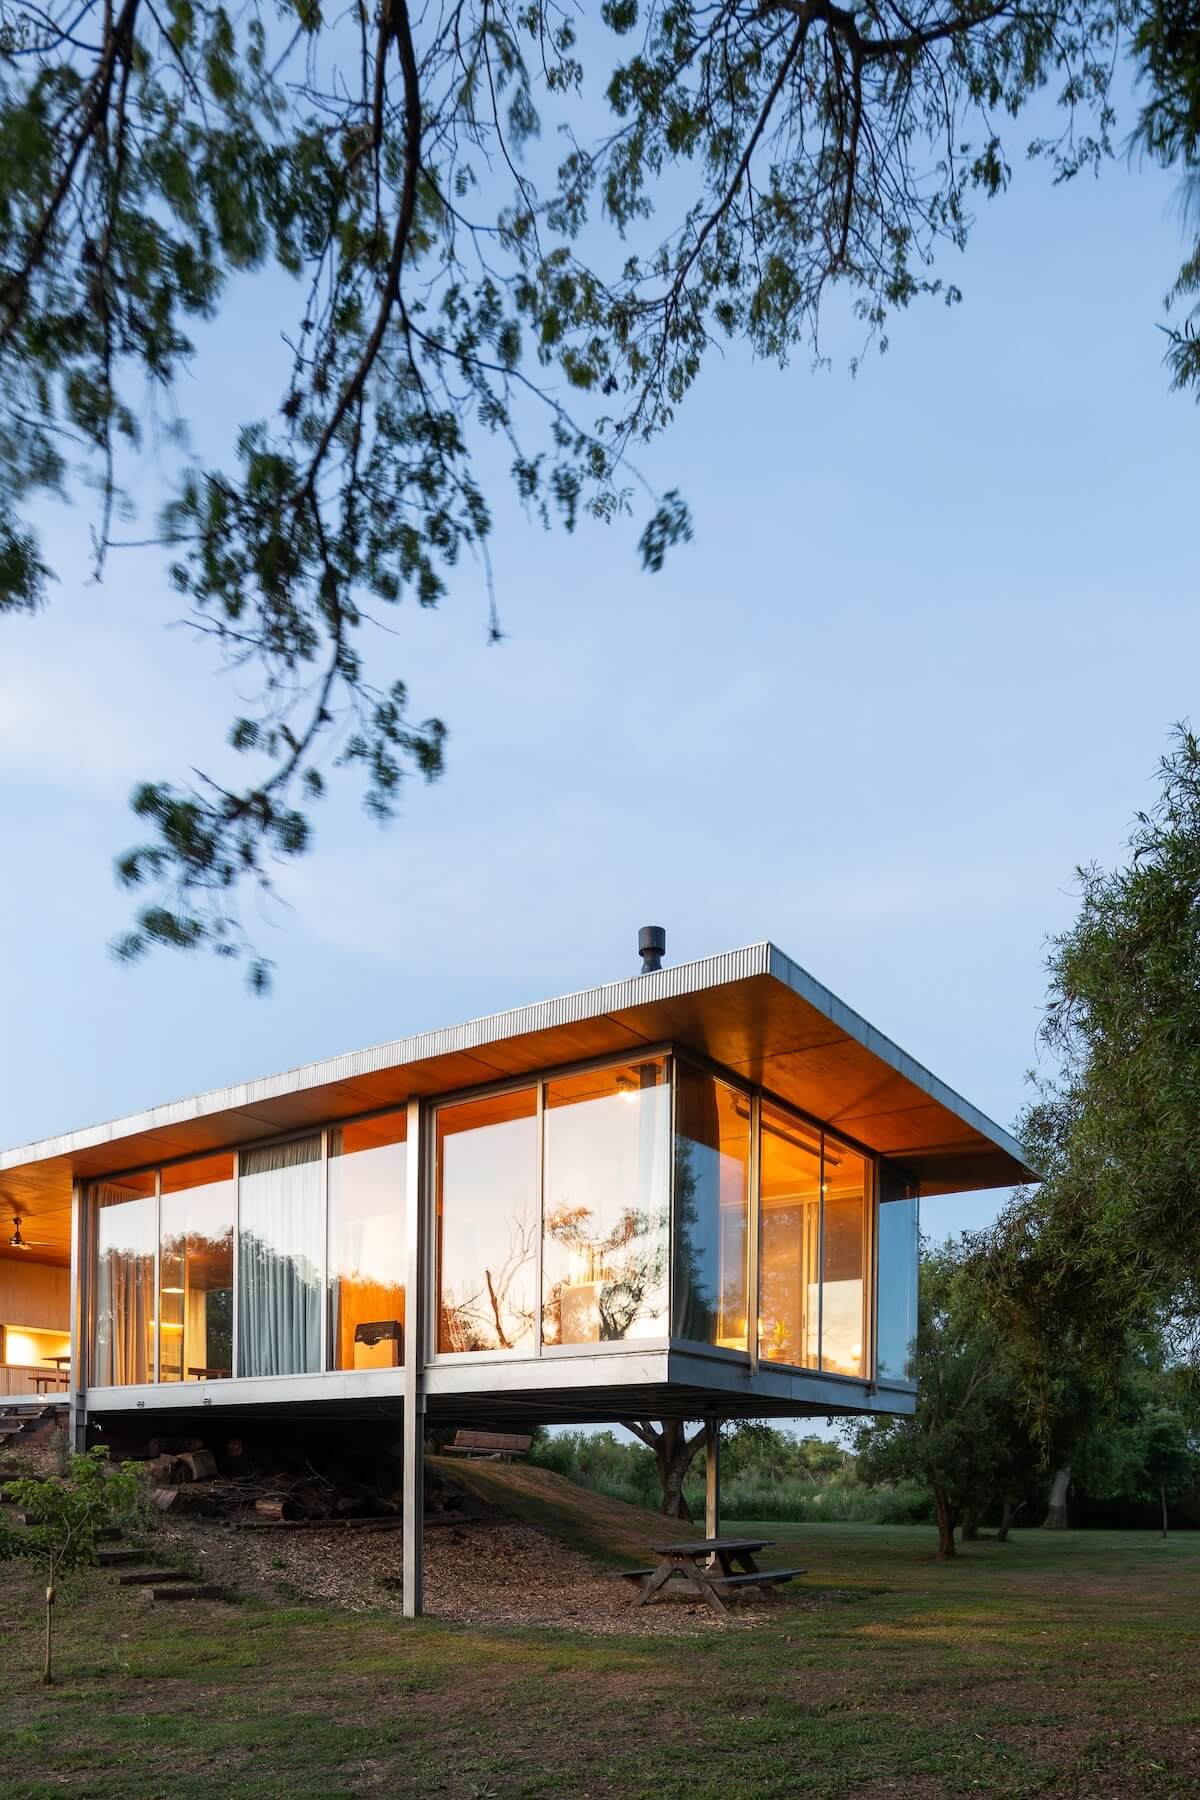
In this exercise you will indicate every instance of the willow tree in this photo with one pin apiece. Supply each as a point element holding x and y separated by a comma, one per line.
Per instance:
<point>1107,1252</point>
<point>718,171</point>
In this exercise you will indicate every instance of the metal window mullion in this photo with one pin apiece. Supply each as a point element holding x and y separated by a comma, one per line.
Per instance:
<point>323,1358</point>
<point>157,1276</point>
<point>234,1348</point>
<point>875,1272</point>
<point>539,1253</point>
<point>671,1067</point>
<point>753,1230</point>
<point>821,1263</point>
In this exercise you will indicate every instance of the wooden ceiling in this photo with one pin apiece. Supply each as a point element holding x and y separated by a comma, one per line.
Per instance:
<point>753,1010</point>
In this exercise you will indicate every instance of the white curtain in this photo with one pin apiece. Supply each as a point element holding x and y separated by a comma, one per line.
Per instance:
<point>124,1288</point>
<point>279,1259</point>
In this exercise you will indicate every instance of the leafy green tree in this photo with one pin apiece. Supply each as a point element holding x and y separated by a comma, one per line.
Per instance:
<point>1167,49</point>
<point>455,282</point>
<point>1107,1252</point>
<point>65,1516</point>
<point>966,1442</point>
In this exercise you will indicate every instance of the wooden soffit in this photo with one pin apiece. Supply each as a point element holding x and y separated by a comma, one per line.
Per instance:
<point>754,1011</point>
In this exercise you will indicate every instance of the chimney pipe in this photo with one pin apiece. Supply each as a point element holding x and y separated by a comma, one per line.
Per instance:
<point>652,947</point>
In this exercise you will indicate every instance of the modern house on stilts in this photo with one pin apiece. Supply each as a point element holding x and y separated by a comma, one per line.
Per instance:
<point>693,1193</point>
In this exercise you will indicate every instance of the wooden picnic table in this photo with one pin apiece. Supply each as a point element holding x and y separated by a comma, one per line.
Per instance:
<point>712,1568</point>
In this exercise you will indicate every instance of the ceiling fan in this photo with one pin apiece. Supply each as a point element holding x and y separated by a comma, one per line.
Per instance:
<point>18,1240</point>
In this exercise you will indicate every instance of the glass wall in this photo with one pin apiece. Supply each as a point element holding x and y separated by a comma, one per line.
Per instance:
<point>898,1260</point>
<point>789,1304</point>
<point>607,1205</point>
<point>488,1222</point>
<point>712,1209</point>
<point>195,1279</point>
<point>279,1259</point>
<point>554,1205</point>
<point>844,1318</point>
<point>368,1163</point>
<point>123,1317</point>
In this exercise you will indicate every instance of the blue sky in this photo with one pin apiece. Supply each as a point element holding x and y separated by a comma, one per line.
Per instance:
<point>918,663</point>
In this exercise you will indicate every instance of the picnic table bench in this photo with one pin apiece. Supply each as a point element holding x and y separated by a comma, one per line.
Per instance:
<point>492,1446</point>
<point>712,1568</point>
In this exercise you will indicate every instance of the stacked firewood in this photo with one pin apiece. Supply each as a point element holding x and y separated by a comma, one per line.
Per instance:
<point>256,1486</point>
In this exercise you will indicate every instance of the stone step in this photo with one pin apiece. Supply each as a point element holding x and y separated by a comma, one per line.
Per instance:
<point>125,1553</point>
<point>142,1577</point>
<point>200,1590</point>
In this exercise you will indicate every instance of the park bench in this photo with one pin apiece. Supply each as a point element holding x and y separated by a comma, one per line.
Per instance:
<point>491,1446</point>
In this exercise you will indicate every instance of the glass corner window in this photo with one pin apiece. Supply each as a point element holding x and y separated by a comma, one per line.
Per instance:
<point>845,1191</point>
<point>712,1209</point>
<point>898,1262</point>
<point>606,1205</point>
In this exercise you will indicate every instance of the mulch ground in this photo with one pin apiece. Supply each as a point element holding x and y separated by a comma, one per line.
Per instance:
<point>488,1571</point>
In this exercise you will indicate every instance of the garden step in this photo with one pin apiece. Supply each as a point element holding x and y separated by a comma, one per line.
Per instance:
<point>201,1590</point>
<point>142,1577</point>
<point>124,1553</point>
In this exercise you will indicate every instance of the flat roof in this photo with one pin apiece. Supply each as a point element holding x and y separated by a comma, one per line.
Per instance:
<point>754,1010</point>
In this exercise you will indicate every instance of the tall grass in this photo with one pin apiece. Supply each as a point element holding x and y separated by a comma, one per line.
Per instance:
<point>596,1460</point>
<point>844,1502</point>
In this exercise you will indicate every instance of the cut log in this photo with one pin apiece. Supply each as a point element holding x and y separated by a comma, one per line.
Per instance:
<point>275,1509</point>
<point>167,1470</point>
<point>200,1464</point>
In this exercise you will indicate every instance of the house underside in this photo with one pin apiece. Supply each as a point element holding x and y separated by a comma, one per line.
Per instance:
<point>691,1194</point>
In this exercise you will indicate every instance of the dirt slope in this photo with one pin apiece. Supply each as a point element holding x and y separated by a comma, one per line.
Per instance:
<point>608,1529</point>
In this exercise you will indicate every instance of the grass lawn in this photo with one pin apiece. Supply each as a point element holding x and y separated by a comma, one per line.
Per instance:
<point>1059,1663</point>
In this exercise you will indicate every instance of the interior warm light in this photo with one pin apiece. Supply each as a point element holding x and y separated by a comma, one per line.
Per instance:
<point>171,1290</point>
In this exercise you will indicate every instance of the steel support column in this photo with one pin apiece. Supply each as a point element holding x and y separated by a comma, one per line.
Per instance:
<point>79,1315</point>
<point>414,1358</point>
<point>712,1478</point>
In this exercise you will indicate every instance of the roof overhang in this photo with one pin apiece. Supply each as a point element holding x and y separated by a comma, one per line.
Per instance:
<point>754,1011</point>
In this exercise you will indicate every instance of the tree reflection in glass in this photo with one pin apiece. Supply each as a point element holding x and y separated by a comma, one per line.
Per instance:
<point>605,1247</point>
<point>487,1199</point>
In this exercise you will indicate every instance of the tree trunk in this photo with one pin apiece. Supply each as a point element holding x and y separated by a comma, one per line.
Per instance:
<point>946,1521</point>
<point>1162,1494</point>
<point>47,1675</point>
<point>1008,1514</point>
<point>1056,1512</point>
<point>970,1524</point>
<point>674,1452</point>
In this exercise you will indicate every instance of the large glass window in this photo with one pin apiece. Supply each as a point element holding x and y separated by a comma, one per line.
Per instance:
<point>846,1190</point>
<point>789,1307</point>
<point>126,1226</point>
<point>488,1222</point>
<point>195,1282</point>
<point>279,1259</point>
<point>607,1205</point>
<point>712,1192</point>
<point>898,1260</point>
<point>367,1172</point>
